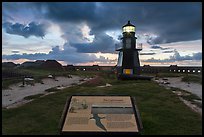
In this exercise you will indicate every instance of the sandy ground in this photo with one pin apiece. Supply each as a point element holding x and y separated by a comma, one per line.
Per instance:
<point>16,93</point>
<point>176,82</point>
<point>194,88</point>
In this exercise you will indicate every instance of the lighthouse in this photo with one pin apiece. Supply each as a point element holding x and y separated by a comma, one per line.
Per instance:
<point>128,65</point>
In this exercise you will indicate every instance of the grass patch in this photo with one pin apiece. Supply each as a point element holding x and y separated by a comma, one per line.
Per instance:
<point>85,74</point>
<point>162,112</point>
<point>192,78</point>
<point>7,82</point>
<point>54,89</point>
<point>33,96</point>
<point>161,75</point>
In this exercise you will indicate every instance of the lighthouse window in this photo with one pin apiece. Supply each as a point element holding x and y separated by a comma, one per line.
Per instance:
<point>120,58</point>
<point>128,43</point>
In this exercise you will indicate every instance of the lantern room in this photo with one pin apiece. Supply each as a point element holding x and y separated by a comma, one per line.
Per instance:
<point>128,28</point>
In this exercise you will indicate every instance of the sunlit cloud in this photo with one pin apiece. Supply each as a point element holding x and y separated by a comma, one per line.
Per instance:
<point>86,34</point>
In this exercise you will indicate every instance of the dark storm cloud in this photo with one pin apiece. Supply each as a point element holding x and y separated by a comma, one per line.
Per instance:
<point>177,57</point>
<point>15,51</point>
<point>155,47</point>
<point>31,29</point>
<point>197,56</point>
<point>25,56</point>
<point>69,11</point>
<point>102,43</point>
<point>158,47</point>
<point>149,53</point>
<point>168,51</point>
<point>172,22</point>
<point>20,11</point>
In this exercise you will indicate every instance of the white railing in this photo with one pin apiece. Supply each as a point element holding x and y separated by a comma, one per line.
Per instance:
<point>138,46</point>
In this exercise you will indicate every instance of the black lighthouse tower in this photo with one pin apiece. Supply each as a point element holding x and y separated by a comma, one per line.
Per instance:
<point>128,65</point>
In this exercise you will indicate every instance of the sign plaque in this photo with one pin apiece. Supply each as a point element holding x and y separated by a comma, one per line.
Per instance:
<point>100,115</point>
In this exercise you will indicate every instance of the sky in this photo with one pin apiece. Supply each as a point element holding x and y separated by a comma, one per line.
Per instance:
<point>85,33</point>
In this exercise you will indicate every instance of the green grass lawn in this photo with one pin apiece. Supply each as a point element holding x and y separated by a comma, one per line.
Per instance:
<point>161,75</point>
<point>162,112</point>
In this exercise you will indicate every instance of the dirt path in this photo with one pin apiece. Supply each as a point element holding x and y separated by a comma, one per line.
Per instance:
<point>17,94</point>
<point>193,88</point>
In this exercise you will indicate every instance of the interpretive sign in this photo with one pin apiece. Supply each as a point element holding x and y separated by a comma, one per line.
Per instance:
<point>100,115</point>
